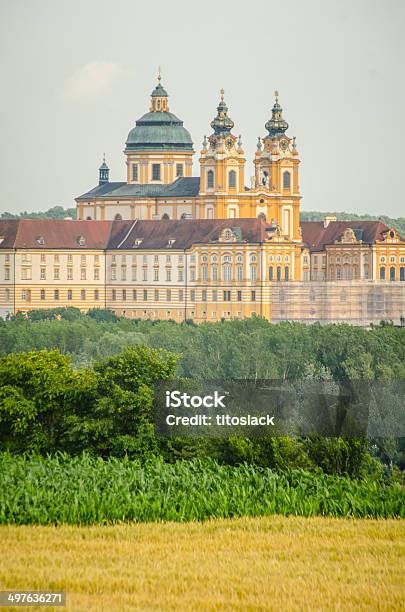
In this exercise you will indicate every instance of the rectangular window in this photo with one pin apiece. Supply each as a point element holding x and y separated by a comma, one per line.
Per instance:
<point>56,273</point>
<point>145,274</point>
<point>56,294</point>
<point>214,295</point>
<point>204,295</point>
<point>168,276</point>
<point>70,294</point>
<point>114,295</point>
<point>96,295</point>
<point>253,296</point>
<point>179,169</point>
<point>83,260</point>
<point>96,273</point>
<point>96,260</point>
<point>43,273</point>
<point>215,273</point>
<point>181,295</point>
<point>169,295</point>
<point>26,274</point>
<point>240,273</point>
<point>26,257</point>
<point>227,296</point>
<point>156,295</point>
<point>82,273</point>
<point>134,273</point>
<point>43,258</point>
<point>43,297</point>
<point>124,295</point>
<point>135,172</point>
<point>7,274</point>
<point>70,259</point>
<point>253,273</point>
<point>192,295</point>
<point>145,295</point>
<point>113,274</point>
<point>83,294</point>
<point>239,296</point>
<point>155,172</point>
<point>168,259</point>
<point>70,273</point>
<point>123,273</point>
<point>204,271</point>
<point>155,274</point>
<point>192,274</point>
<point>134,296</point>
<point>181,276</point>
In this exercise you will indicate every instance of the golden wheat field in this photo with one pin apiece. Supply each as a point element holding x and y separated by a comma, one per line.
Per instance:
<point>272,563</point>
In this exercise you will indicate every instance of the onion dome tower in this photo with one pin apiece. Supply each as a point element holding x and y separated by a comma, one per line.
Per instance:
<point>159,149</point>
<point>222,162</point>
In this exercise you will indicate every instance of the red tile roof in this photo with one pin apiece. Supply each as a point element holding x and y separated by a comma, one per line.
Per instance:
<point>62,234</point>
<point>316,236</point>
<point>185,232</point>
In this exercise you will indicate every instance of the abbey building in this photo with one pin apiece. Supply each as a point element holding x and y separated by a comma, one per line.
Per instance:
<point>164,244</point>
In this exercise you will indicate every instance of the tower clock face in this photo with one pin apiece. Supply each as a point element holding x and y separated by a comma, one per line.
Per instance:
<point>229,143</point>
<point>284,145</point>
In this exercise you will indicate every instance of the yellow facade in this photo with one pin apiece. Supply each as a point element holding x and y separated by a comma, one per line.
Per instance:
<point>166,245</point>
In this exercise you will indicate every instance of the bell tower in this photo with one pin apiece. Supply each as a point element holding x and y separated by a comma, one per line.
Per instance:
<point>222,167</point>
<point>276,172</point>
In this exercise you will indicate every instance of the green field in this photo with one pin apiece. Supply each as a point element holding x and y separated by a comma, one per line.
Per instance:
<point>85,491</point>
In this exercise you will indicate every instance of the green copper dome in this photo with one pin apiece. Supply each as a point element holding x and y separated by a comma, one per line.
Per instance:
<point>157,131</point>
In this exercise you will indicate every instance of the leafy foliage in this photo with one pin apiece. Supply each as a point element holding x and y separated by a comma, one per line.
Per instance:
<point>86,490</point>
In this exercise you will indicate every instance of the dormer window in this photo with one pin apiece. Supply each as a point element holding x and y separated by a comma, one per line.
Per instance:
<point>81,240</point>
<point>137,242</point>
<point>171,242</point>
<point>40,240</point>
<point>1,239</point>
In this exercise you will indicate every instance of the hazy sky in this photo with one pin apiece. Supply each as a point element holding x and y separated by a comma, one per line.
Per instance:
<point>75,75</point>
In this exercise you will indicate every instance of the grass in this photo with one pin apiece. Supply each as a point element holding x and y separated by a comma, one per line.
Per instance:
<point>271,563</point>
<point>85,491</point>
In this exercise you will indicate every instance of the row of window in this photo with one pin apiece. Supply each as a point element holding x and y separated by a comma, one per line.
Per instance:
<point>56,294</point>
<point>168,295</point>
<point>392,274</point>
<point>156,172</point>
<point>232,179</point>
<point>27,258</point>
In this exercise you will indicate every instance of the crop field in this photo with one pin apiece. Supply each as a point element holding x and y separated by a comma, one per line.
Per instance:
<point>85,491</point>
<point>270,563</point>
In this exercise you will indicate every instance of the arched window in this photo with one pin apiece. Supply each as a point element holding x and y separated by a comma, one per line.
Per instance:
<point>382,273</point>
<point>165,216</point>
<point>286,273</point>
<point>392,273</point>
<point>271,273</point>
<point>204,270</point>
<point>226,272</point>
<point>286,180</point>
<point>253,272</point>
<point>210,179</point>
<point>232,179</point>
<point>402,273</point>
<point>278,273</point>
<point>239,271</point>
